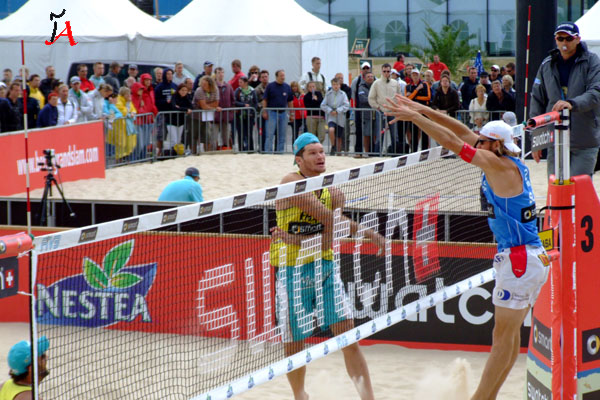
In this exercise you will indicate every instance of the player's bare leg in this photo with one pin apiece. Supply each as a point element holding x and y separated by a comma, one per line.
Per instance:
<point>297,376</point>
<point>505,347</point>
<point>356,365</point>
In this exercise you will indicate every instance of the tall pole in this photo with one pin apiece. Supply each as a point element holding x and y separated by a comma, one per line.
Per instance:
<point>541,41</point>
<point>527,62</point>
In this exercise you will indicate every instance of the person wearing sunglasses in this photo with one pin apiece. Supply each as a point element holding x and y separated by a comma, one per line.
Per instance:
<point>577,89</point>
<point>521,262</point>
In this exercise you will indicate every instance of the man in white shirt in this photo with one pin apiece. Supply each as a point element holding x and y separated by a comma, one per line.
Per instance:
<point>314,76</point>
<point>67,110</point>
<point>382,89</point>
<point>81,100</point>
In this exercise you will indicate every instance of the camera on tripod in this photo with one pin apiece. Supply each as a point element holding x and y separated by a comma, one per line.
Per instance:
<point>48,165</point>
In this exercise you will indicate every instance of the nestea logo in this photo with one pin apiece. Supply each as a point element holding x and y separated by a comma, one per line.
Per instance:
<point>102,295</point>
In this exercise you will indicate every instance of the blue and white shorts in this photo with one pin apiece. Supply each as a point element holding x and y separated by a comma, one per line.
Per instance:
<point>521,272</point>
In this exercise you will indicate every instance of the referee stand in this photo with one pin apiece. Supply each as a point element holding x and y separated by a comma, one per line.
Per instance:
<point>563,360</point>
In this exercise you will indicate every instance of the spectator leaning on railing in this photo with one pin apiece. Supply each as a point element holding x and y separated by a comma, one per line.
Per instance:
<point>300,115</point>
<point>80,99</point>
<point>335,104</point>
<point>278,94</point>
<point>315,120</point>
<point>67,110</point>
<point>226,100</point>
<point>48,116</point>
<point>371,125</point>
<point>478,110</point>
<point>245,96</point>
<point>499,100</point>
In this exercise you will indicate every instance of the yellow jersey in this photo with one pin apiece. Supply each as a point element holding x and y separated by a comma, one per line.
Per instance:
<point>297,222</point>
<point>10,390</point>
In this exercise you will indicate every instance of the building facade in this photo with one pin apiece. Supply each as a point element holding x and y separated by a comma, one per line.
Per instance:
<point>392,23</point>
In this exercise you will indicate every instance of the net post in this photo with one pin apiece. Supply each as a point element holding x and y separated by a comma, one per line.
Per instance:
<point>564,307</point>
<point>562,147</point>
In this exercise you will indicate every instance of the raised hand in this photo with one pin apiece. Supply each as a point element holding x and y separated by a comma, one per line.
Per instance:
<point>400,111</point>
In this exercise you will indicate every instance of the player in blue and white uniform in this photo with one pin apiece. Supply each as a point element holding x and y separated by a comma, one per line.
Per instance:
<point>521,263</point>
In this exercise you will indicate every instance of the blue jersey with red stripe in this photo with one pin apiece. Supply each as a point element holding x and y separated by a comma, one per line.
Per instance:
<point>513,219</point>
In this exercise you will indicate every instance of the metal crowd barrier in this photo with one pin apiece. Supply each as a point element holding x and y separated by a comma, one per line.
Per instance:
<point>365,132</point>
<point>127,139</point>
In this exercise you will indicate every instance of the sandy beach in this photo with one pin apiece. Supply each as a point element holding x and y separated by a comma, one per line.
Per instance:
<point>223,175</point>
<point>397,372</point>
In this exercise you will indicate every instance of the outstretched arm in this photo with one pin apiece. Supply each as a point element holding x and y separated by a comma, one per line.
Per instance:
<point>484,159</point>
<point>457,127</point>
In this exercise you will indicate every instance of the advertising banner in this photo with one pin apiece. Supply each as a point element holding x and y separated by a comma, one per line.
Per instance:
<point>78,149</point>
<point>179,284</point>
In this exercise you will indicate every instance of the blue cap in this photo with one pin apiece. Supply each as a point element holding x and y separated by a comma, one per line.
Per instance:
<point>567,27</point>
<point>19,356</point>
<point>192,171</point>
<point>305,139</point>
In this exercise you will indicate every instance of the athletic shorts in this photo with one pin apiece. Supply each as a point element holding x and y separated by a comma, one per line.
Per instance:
<point>521,272</point>
<point>339,130</point>
<point>300,309</point>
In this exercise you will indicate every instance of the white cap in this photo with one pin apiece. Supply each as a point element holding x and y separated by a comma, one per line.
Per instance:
<point>395,72</point>
<point>500,130</point>
<point>495,66</point>
<point>415,70</point>
<point>365,64</point>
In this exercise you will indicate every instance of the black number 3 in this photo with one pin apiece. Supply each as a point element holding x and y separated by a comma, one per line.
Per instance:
<point>588,224</point>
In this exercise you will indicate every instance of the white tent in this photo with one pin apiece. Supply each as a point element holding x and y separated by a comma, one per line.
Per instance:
<point>103,30</point>
<point>273,34</point>
<point>589,29</point>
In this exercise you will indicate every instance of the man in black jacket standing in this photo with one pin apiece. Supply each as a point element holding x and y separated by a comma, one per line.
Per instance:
<point>570,78</point>
<point>10,113</point>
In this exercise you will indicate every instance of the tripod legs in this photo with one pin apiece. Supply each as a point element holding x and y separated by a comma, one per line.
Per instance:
<point>45,209</point>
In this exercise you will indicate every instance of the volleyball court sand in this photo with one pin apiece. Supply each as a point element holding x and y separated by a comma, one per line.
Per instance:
<point>397,372</point>
<point>224,175</point>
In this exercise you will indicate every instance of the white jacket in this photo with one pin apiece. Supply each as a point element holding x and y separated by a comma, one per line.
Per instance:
<point>84,105</point>
<point>67,112</point>
<point>381,89</point>
<point>336,101</point>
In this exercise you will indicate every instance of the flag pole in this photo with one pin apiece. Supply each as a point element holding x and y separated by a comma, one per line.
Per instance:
<point>24,88</point>
<point>527,61</point>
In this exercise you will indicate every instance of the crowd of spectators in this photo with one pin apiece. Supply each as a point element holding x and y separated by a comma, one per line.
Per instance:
<point>313,103</point>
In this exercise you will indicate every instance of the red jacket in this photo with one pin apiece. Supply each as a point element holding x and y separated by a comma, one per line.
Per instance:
<point>86,85</point>
<point>437,69</point>
<point>146,104</point>
<point>298,102</point>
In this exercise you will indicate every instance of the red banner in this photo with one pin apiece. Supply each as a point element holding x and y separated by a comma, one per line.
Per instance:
<point>78,149</point>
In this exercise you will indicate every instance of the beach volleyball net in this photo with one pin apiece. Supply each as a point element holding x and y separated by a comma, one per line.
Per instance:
<point>197,301</point>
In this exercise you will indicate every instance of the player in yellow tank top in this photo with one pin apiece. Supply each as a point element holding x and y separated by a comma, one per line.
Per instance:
<point>19,361</point>
<point>295,221</point>
<point>299,218</point>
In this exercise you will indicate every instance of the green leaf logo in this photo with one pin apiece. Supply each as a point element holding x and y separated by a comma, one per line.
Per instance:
<point>109,276</point>
<point>125,280</point>
<point>94,275</point>
<point>117,257</point>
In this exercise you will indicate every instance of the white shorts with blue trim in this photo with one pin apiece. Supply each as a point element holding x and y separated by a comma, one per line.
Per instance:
<point>521,272</point>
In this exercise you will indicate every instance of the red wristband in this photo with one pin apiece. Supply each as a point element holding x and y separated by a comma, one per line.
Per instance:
<point>467,152</point>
